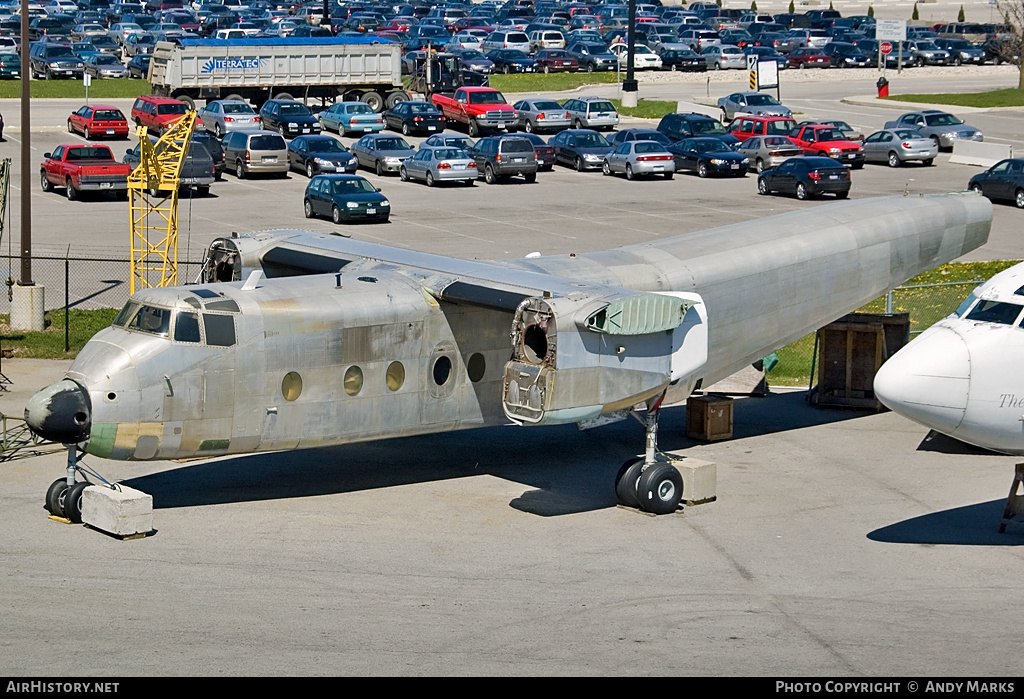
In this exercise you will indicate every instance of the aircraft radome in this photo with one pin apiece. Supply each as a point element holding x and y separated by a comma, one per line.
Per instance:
<point>962,377</point>
<point>310,340</point>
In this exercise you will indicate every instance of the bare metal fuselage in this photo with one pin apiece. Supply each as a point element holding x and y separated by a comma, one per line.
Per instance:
<point>411,343</point>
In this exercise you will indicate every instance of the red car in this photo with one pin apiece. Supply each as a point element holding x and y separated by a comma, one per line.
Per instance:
<point>809,57</point>
<point>828,141</point>
<point>555,61</point>
<point>99,121</point>
<point>748,125</point>
<point>157,113</point>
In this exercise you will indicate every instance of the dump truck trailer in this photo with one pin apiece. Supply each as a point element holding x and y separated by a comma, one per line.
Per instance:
<point>257,70</point>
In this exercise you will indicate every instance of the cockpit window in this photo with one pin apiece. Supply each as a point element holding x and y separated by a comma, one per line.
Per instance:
<point>186,327</point>
<point>995,312</point>
<point>152,320</point>
<point>126,314</point>
<point>968,302</point>
<point>220,330</point>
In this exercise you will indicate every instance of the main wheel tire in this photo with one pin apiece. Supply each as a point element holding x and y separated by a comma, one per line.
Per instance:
<point>73,502</point>
<point>375,101</point>
<point>669,175</point>
<point>188,101</point>
<point>577,124</point>
<point>702,170</point>
<point>762,186</point>
<point>842,195</point>
<point>489,177</point>
<point>801,191</point>
<point>405,129</point>
<point>307,208</point>
<point>547,69</point>
<point>629,172</point>
<point>283,130</point>
<point>283,96</point>
<point>430,178</point>
<point>203,190</point>
<point>44,183</point>
<point>235,97</point>
<point>336,214</point>
<point>530,177</point>
<point>626,481</point>
<point>660,489</point>
<point>218,131</point>
<point>309,170</point>
<point>55,497</point>
<point>395,98</point>
<point>70,130</point>
<point>977,188</point>
<point>474,129</point>
<point>928,162</point>
<point>528,128</point>
<point>759,165</point>
<point>71,191</point>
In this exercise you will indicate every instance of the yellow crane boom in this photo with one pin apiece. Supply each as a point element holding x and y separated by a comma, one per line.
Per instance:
<point>153,204</point>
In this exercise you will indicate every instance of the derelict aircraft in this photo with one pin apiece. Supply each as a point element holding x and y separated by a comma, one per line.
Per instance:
<point>297,339</point>
<point>961,376</point>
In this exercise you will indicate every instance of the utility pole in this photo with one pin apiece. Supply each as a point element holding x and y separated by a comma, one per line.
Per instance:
<point>629,85</point>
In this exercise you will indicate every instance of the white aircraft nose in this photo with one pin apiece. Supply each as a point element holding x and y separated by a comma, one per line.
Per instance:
<point>928,380</point>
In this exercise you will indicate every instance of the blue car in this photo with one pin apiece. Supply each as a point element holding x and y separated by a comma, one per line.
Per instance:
<point>708,156</point>
<point>346,199</point>
<point>351,118</point>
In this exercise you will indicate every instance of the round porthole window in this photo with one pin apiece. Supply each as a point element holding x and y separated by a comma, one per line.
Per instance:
<point>353,380</point>
<point>442,370</point>
<point>395,376</point>
<point>475,367</point>
<point>291,386</point>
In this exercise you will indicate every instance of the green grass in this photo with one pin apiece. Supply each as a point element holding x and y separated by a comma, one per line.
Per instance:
<point>646,109</point>
<point>548,82</point>
<point>925,306</point>
<point>71,89</point>
<point>49,343</point>
<point>1009,97</point>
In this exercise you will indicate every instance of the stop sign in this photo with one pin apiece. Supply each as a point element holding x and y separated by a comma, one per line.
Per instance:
<point>886,47</point>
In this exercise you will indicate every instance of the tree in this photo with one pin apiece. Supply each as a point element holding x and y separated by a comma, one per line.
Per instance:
<point>1011,42</point>
<point>916,14</point>
<point>792,7</point>
<point>753,6</point>
<point>871,10</point>
<point>961,17</point>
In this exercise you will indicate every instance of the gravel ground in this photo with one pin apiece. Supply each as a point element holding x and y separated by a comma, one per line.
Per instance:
<point>811,75</point>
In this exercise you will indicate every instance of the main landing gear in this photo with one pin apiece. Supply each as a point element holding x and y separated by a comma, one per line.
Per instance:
<point>648,482</point>
<point>64,496</point>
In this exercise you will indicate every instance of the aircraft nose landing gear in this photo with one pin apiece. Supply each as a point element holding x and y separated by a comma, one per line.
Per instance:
<point>645,482</point>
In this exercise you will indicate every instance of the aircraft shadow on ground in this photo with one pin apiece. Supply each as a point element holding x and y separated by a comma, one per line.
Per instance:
<point>570,470</point>
<point>971,525</point>
<point>944,444</point>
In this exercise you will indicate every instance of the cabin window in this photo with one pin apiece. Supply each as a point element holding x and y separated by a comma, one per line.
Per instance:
<point>186,327</point>
<point>395,376</point>
<point>476,366</point>
<point>152,320</point>
<point>995,312</point>
<point>353,380</point>
<point>291,386</point>
<point>442,370</point>
<point>220,330</point>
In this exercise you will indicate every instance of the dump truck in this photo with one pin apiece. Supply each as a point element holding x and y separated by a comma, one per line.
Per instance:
<point>256,70</point>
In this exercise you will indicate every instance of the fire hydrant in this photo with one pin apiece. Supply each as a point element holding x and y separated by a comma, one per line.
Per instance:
<point>883,87</point>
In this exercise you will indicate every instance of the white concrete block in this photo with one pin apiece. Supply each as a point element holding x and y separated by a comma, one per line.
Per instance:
<point>121,512</point>
<point>700,480</point>
<point>27,308</point>
<point>980,153</point>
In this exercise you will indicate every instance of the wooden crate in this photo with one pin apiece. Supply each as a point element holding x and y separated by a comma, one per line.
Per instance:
<point>709,418</point>
<point>850,352</point>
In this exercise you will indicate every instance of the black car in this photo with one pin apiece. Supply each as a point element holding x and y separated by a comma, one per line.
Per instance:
<point>639,135</point>
<point>844,55</point>
<point>138,67</point>
<point>346,199</point>
<point>410,117</point>
<point>315,154</point>
<point>690,125</point>
<point>708,156</point>
<point>683,60</point>
<point>288,117</point>
<point>1004,180</point>
<point>545,153</point>
<point>212,144</point>
<point>583,149</point>
<point>512,61</point>
<point>806,177</point>
<point>500,157</point>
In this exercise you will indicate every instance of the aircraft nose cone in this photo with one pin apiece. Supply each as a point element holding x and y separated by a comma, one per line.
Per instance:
<point>928,380</point>
<point>60,413</point>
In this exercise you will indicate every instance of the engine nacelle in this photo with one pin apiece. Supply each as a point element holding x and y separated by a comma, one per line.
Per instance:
<point>576,358</point>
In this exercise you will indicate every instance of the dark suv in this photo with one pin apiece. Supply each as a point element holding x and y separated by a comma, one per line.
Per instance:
<point>54,61</point>
<point>500,157</point>
<point>692,125</point>
<point>288,117</point>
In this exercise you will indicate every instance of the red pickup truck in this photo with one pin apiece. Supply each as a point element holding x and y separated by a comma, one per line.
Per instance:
<point>479,108</point>
<point>84,168</point>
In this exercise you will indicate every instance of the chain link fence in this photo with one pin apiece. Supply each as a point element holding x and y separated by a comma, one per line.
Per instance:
<point>926,304</point>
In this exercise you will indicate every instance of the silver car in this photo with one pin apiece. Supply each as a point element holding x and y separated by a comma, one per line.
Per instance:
<point>591,113</point>
<point>724,56</point>
<point>751,102</point>
<point>542,114</point>
<point>103,65</point>
<point>382,152</point>
<point>768,151</point>
<point>898,146</point>
<point>640,158</point>
<point>255,152</point>
<point>945,128</point>
<point>439,165</point>
<point>221,116</point>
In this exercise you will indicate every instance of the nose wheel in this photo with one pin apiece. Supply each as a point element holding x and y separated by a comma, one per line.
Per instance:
<point>64,496</point>
<point>647,482</point>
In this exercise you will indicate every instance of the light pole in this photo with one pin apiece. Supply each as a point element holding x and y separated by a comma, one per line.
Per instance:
<point>629,85</point>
